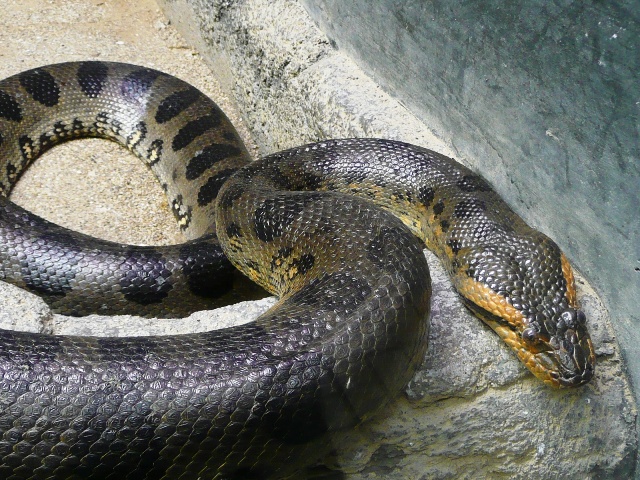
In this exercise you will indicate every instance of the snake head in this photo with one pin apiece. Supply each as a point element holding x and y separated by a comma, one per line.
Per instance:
<point>559,351</point>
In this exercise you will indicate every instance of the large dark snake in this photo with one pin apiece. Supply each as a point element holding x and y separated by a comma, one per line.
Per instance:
<point>349,327</point>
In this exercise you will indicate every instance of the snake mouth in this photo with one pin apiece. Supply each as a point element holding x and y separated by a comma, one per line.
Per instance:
<point>568,366</point>
<point>566,356</point>
<point>560,352</point>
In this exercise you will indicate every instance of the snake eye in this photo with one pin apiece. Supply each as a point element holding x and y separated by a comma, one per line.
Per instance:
<point>530,336</point>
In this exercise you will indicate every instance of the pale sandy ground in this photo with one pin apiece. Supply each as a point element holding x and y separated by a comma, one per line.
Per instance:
<point>95,186</point>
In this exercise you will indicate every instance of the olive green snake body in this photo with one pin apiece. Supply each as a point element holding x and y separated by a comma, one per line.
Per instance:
<point>350,325</point>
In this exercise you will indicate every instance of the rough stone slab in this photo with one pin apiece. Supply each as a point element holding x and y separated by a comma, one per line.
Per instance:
<point>20,310</point>
<point>131,325</point>
<point>290,85</point>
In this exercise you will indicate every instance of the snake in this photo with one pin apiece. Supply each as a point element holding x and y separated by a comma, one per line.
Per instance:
<point>335,229</point>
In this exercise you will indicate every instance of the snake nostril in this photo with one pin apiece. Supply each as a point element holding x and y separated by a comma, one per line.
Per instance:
<point>581,318</point>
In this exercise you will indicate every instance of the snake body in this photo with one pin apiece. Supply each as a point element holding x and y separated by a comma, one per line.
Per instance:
<point>306,224</point>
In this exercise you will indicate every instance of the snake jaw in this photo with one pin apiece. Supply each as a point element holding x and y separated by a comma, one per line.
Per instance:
<point>564,358</point>
<point>572,348</point>
<point>560,353</point>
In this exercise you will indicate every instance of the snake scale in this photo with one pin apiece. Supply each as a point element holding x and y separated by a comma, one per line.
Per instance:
<point>350,326</point>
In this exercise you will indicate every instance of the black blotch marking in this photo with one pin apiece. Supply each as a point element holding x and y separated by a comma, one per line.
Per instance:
<point>209,191</point>
<point>277,259</point>
<point>208,157</point>
<point>60,132</point>
<point>208,272</point>
<point>296,175</point>
<point>275,214</point>
<point>47,140</point>
<point>253,265</point>
<point>438,208</point>
<point>137,136</point>
<point>108,126</point>
<point>400,196</point>
<point>92,77</point>
<point>1,139</point>
<point>371,194</point>
<point>233,230</point>
<point>312,181</point>
<point>51,267</point>
<point>9,108</point>
<point>194,129</point>
<point>26,148</point>
<point>137,84</point>
<point>304,263</point>
<point>285,252</point>
<point>232,193</point>
<point>182,213</point>
<point>426,195</point>
<point>41,86</point>
<point>154,153</point>
<point>469,207</point>
<point>455,245</point>
<point>12,172</point>
<point>175,104</point>
<point>145,277</point>
<point>77,127</point>
<point>444,225</point>
<point>270,221</point>
<point>472,270</point>
<point>280,179</point>
<point>230,136</point>
<point>473,183</point>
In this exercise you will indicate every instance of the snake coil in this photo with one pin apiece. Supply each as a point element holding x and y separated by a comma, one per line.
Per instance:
<point>350,325</point>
